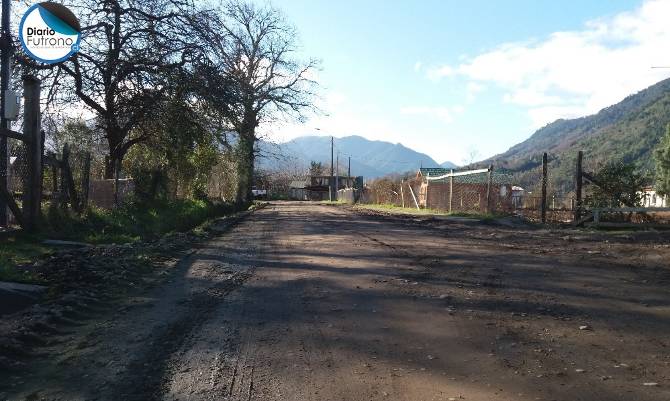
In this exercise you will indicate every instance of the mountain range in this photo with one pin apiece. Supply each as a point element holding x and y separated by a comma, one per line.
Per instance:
<point>370,159</point>
<point>628,131</point>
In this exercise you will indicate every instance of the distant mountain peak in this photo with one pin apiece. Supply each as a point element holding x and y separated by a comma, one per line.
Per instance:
<point>369,158</point>
<point>448,164</point>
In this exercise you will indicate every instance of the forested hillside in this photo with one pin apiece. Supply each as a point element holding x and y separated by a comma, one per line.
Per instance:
<point>628,131</point>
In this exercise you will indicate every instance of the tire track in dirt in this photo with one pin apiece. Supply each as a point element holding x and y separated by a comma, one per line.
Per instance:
<point>342,308</point>
<point>146,376</point>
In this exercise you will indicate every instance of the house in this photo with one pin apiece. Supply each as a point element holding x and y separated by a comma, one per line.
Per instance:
<point>651,199</point>
<point>464,192</point>
<point>318,187</point>
<point>296,190</point>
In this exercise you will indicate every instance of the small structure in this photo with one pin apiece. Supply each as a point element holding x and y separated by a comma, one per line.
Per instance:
<point>651,199</point>
<point>296,190</point>
<point>468,192</point>
<point>517,196</point>
<point>317,188</point>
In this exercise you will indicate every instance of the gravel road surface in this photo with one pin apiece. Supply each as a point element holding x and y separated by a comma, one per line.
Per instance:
<point>303,301</point>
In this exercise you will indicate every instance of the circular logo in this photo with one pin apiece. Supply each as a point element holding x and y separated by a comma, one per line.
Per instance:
<point>49,32</point>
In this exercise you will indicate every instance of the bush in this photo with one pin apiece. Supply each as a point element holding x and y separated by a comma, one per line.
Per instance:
<point>618,184</point>
<point>138,220</point>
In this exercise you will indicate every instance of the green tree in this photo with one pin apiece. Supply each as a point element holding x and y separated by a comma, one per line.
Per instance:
<point>177,158</point>
<point>662,157</point>
<point>617,183</point>
<point>129,51</point>
<point>315,168</point>
<point>253,50</point>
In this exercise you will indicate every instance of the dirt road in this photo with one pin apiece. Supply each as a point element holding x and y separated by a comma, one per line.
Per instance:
<point>309,302</point>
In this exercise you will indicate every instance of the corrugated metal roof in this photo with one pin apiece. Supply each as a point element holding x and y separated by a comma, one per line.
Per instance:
<point>434,171</point>
<point>297,184</point>
<point>481,178</point>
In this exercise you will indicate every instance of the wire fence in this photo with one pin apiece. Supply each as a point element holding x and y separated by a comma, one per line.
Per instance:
<point>559,204</point>
<point>475,191</point>
<point>16,173</point>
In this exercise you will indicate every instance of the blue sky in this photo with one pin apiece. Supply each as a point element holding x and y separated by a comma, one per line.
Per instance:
<point>464,79</point>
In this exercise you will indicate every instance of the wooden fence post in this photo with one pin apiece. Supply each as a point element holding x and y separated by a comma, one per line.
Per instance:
<point>67,181</point>
<point>85,180</point>
<point>427,190</point>
<point>578,187</point>
<point>451,188</point>
<point>488,189</point>
<point>32,206</point>
<point>63,190</point>
<point>411,191</point>
<point>543,206</point>
<point>402,193</point>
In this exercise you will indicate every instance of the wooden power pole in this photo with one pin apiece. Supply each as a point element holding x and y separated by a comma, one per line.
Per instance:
<point>5,76</point>
<point>337,175</point>
<point>330,181</point>
<point>33,138</point>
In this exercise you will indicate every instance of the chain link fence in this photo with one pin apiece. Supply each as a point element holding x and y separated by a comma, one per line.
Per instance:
<point>17,173</point>
<point>560,197</point>
<point>468,192</point>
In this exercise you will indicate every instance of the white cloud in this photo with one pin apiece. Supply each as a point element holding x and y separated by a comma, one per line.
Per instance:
<point>417,66</point>
<point>339,117</point>
<point>472,90</point>
<point>436,73</point>
<point>573,73</point>
<point>343,115</point>
<point>442,113</point>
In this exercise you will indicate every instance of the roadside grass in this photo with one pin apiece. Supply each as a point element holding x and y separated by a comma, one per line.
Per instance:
<point>136,221</point>
<point>390,208</point>
<point>132,222</point>
<point>331,203</point>
<point>17,251</point>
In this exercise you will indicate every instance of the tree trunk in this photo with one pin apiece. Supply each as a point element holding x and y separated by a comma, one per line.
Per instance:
<point>109,168</point>
<point>245,167</point>
<point>113,160</point>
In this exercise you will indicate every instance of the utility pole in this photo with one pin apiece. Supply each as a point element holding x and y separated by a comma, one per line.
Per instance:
<point>337,175</point>
<point>330,182</point>
<point>5,76</point>
<point>349,168</point>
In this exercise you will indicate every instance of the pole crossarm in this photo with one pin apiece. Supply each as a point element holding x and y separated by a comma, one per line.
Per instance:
<point>458,174</point>
<point>13,134</point>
